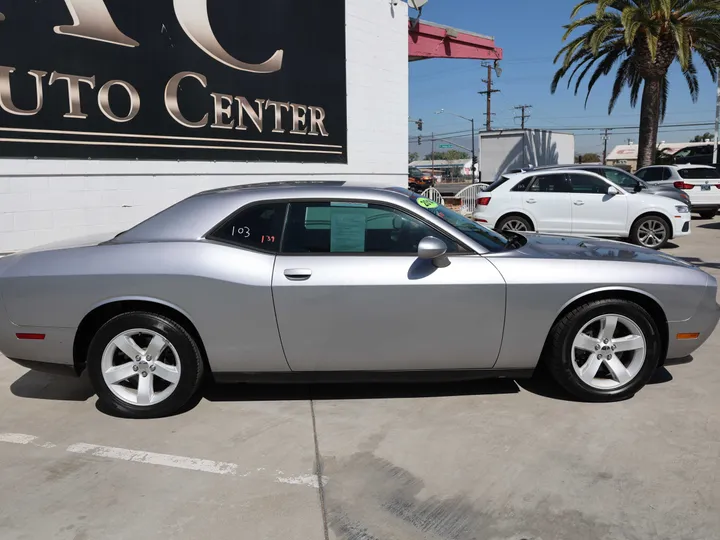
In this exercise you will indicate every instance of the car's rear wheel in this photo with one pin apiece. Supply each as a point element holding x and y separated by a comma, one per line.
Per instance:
<point>708,214</point>
<point>514,223</point>
<point>144,365</point>
<point>651,232</point>
<point>605,350</point>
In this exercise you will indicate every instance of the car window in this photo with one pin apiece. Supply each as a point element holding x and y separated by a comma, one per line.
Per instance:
<point>523,184</point>
<point>258,227</point>
<point>584,183</point>
<point>497,183</point>
<point>685,152</point>
<point>621,178</point>
<point>651,174</point>
<point>550,183</point>
<point>355,227</point>
<point>698,174</point>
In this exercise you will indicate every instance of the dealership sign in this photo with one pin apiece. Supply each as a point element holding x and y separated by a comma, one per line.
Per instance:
<point>225,80</point>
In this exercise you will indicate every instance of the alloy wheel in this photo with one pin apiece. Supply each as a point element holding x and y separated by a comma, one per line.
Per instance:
<point>141,367</point>
<point>514,225</point>
<point>608,352</point>
<point>652,233</point>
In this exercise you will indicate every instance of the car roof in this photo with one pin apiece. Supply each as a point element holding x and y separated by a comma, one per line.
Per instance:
<point>690,166</point>
<point>191,218</point>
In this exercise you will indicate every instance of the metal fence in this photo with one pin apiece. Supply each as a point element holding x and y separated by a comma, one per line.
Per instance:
<point>434,195</point>
<point>468,195</point>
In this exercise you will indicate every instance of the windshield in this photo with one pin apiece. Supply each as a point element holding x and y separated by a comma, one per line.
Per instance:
<point>698,174</point>
<point>489,239</point>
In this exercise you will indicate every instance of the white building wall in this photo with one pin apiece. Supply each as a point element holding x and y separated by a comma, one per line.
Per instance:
<point>47,200</point>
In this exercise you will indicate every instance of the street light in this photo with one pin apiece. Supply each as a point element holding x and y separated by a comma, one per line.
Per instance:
<point>472,123</point>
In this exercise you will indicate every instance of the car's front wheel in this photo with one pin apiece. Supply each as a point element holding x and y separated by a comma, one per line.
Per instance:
<point>651,232</point>
<point>604,350</point>
<point>144,365</point>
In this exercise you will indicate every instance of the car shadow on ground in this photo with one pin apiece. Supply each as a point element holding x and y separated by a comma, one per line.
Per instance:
<point>700,263</point>
<point>670,245</point>
<point>353,391</point>
<point>711,225</point>
<point>36,385</point>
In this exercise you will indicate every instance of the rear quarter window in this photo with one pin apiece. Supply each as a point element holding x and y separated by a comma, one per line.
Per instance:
<point>497,183</point>
<point>698,174</point>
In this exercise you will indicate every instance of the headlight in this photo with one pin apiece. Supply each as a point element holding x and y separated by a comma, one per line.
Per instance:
<point>682,209</point>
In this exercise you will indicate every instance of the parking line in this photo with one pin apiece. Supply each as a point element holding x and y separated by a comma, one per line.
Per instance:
<point>166,460</point>
<point>17,438</point>
<point>163,460</point>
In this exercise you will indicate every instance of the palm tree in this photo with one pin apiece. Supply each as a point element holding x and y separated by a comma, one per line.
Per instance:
<point>645,37</point>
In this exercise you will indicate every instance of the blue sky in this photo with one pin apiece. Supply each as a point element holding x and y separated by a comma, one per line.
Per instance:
<point>530,32</point>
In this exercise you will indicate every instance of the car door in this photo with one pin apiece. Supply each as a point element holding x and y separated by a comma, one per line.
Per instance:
<point>547,202</point>
<point>594,211</point>
<point>655,175</point>
<point>351,294</point>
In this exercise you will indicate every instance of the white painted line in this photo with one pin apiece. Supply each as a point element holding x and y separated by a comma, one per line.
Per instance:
<point>16,438</point>
<point>302,480</point>
<point>166,460</point>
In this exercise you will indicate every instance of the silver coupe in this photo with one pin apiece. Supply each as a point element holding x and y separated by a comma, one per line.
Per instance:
<point>325,282</point>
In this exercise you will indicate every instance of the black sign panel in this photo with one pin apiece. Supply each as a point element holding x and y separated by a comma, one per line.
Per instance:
<point>225,80</point>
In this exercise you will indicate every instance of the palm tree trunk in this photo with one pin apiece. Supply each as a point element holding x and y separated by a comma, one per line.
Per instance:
<point>649,122</point>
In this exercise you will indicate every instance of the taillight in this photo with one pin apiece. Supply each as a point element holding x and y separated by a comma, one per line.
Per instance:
<point>683,185</point>
<point>483,201</point>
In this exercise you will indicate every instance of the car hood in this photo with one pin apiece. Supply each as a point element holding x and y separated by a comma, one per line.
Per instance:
<point>584,248</point>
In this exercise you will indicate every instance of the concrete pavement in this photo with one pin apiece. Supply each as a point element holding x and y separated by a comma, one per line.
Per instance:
<point>481,460</point>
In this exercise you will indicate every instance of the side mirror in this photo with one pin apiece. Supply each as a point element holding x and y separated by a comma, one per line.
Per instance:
<point>638,187</point>
<point>612,190</point>
<point>434,249</point>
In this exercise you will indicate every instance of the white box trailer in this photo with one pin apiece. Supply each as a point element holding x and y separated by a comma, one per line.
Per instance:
<point>502,151</point>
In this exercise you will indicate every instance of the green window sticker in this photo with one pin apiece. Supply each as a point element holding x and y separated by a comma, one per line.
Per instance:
<point>426,203</point>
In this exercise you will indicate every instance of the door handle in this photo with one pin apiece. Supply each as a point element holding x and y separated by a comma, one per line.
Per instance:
<point>298,274</point>
<point>578,203</point>
<point>530,201</point>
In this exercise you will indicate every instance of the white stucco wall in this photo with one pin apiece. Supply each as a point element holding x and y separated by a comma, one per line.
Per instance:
<point>47,200</point>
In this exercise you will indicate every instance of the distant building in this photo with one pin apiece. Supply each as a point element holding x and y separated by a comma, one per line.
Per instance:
<point>627,154</point>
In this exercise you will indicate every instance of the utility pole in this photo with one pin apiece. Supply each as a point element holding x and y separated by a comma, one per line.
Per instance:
<point>605,141</point>
<point>717,119</point>
<point>488,96</point>
<point>523,115</point>
<point>432,154</point>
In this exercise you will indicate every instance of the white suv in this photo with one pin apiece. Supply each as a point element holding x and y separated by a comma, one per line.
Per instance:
<point>700,182</point>
<point>582,203</point>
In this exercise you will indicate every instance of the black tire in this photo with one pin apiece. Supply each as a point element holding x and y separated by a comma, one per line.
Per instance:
<point>517,218</point>
<point>557,355</point>
<point>708,214</point>
<point>190,359</point>
<point>635,232</point>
